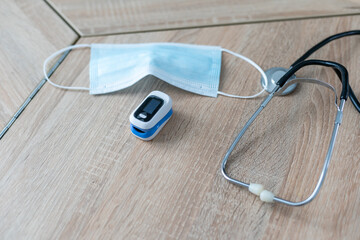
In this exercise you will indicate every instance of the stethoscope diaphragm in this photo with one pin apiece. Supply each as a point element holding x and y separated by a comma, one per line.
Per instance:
<point>273,76</point>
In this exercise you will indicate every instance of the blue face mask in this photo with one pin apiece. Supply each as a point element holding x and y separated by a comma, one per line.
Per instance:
<point>193,68</point>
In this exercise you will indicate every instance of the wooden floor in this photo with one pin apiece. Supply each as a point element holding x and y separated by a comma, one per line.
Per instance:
<point>71,169</point>
<point>26,40</point>
<point>92,17</point>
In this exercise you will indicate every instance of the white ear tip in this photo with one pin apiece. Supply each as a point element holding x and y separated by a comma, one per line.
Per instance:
<point>267,196</point>
<point>256,188</point>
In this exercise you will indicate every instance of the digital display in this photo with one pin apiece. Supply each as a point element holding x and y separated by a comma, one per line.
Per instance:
<point>152,105</point>
<point>148,108</point>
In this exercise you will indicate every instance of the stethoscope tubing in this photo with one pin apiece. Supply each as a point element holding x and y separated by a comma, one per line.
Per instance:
<point>344,76</point>
<point>346,92</point>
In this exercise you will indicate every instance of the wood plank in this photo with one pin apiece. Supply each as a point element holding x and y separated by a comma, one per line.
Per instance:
<point>30,31</point>
<point>105,17</point>
<point>70,168</point>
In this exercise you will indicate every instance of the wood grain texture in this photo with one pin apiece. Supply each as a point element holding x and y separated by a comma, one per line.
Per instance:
<point>71,168</point>
<point>29,32</point>
<point>114,16</point>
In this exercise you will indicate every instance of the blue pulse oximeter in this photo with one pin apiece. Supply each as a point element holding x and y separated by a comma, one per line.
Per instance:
<point>151,115</point>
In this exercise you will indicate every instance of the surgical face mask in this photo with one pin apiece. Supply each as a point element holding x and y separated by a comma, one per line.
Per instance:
<point>193,68</point>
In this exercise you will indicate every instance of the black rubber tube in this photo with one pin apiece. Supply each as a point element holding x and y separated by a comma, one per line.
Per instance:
<point>352,96</point>
<point>344,76</point>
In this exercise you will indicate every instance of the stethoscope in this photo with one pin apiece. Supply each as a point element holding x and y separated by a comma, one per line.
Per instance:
<point>283,81</point>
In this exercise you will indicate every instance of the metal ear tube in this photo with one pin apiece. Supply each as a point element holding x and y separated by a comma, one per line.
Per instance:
<point>258,189</point>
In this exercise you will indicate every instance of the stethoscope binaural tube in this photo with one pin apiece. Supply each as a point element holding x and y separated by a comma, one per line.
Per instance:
<point>258,189</point>
<point>342,73</point>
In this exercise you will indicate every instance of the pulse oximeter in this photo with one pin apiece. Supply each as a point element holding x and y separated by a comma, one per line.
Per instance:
<point>151,115</point>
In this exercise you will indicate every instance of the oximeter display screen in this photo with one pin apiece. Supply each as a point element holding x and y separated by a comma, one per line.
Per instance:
<point>148,108</point>
<point>151,106</point>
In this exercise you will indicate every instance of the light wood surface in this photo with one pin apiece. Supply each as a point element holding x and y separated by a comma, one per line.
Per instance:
<point>71,168</point>
<point>30,31</point>
<point>107,17</point>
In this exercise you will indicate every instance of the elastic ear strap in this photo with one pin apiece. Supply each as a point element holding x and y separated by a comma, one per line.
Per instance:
<point>55,54</point>
<point>254,65</point>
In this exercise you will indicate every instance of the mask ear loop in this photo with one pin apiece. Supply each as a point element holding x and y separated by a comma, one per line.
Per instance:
<point>55,54</point>
<point>254,65</point>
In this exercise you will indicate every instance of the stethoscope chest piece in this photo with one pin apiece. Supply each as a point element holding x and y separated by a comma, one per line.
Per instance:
<point>274,75</point>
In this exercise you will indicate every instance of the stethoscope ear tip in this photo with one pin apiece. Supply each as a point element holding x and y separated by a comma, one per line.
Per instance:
<point>273,76</point>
